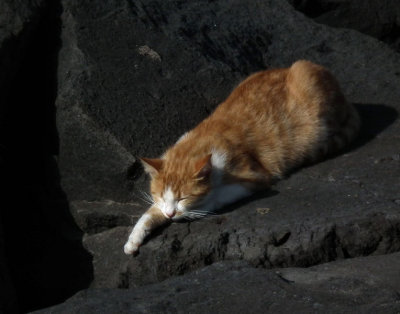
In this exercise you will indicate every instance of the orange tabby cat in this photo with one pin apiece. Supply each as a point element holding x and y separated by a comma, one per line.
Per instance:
<point>271,122</point>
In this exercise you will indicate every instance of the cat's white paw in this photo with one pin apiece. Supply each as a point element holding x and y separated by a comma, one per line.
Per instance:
<point>131,247</point>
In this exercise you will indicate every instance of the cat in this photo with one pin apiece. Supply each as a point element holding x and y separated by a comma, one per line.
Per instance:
<point>273,121</point>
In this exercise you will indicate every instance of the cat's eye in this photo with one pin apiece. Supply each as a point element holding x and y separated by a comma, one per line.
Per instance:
<point>180,203</point>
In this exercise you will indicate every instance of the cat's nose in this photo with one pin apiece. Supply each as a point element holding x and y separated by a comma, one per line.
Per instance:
<point>171,214</point>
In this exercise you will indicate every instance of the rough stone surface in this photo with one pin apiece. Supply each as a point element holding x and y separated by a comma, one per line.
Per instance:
<point>95,217</point>
<point>275,236</point>
<point>380,19</point>
<point>361,285</point>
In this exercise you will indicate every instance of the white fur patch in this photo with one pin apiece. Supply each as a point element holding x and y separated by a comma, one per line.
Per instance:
<point>168,194</point>
<point>180,206</point>
<point>139,232</point>
<point>168,206</point>
<point>141,224</point>
<point>218,159</point>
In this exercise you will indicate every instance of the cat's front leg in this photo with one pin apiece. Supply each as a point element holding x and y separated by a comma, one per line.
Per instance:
<point>150,220</point>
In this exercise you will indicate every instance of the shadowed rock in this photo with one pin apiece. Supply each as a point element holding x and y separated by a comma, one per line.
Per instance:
<point>38,234</point>
<point>17,23</point>
<point>380,19</point>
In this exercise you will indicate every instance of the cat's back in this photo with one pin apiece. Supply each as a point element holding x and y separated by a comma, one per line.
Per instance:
<point>296,111</point>
<point>258,93</point>
<point>304,84</point>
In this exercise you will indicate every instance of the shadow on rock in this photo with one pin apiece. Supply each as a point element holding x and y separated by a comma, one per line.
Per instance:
<point>246,200</point>
<point>43,246</point>
<point>374,120</point>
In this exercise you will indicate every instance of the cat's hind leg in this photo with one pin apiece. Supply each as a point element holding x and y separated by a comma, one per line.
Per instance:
<point>150,220</point>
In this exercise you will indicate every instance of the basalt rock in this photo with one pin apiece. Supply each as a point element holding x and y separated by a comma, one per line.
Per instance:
<point>289,229</point>
<point>361,285</point>
<point>380,19</point>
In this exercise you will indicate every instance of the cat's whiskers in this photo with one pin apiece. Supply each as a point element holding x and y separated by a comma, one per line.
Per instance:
<point>193,217</point>
<point>190,218</point>
<point>148,197</point>
<point>197,214</point>
<point>205,212</point>
<point>145,198</point>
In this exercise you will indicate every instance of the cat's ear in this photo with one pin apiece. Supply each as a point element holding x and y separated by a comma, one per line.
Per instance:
<point>152,165</point>
<point>203,168</point>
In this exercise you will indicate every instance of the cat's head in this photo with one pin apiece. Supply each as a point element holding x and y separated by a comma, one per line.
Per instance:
<point>178,188</point>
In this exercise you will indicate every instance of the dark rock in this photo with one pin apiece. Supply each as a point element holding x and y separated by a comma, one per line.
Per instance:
<point>380,19</point>
<point>94,165</point>
<point>95,217</point>
<point>364,285</point>
<point>298,235</point>
<point>109,269</point>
